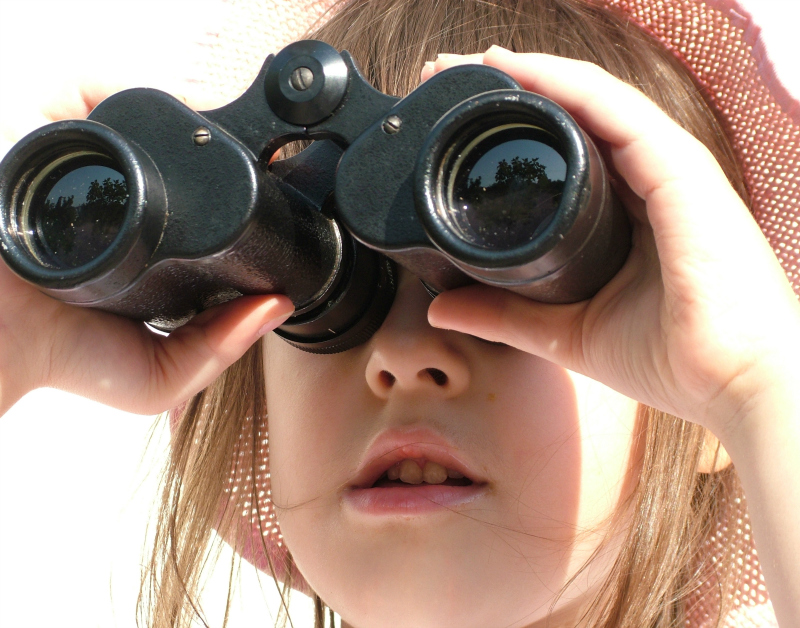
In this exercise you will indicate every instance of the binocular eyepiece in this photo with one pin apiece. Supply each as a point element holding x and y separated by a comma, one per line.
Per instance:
<point>156,212</point>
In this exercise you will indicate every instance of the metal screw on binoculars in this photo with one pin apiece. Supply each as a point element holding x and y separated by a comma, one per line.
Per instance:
<point>156,212</point>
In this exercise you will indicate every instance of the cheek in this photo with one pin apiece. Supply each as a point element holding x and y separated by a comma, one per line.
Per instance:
<point>568,459</point>
<point>313,432</point>
<point>534,426</point>
<point>306,423</point>
<point>611,450</point>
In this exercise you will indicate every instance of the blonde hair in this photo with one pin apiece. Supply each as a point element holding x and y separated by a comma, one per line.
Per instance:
<point>673,507</point>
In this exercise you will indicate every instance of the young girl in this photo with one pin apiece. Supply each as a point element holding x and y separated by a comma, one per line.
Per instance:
<point>574,471</point>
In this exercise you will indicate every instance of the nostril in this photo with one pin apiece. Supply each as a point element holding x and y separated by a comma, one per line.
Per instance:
<point>387,379</point>
<point>440,377</point>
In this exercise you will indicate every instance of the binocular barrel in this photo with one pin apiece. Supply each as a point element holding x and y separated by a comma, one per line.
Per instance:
<point>88,212</point>
<point>507,190</point>
<point>157,212</point>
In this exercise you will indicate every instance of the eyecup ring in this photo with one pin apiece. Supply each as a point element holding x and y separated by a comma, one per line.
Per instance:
<point>126,254</point>
<point>372,275</point>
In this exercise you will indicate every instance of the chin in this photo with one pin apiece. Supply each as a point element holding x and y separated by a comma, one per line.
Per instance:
<point>397,606</point>
<point>426,578</point>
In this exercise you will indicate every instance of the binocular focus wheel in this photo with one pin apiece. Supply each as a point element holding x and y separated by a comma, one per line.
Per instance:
<point>305,82</point>
<point>368,294</point>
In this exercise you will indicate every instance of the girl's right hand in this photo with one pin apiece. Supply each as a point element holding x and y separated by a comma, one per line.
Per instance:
<point>113,360</point>
<point>701,321</point>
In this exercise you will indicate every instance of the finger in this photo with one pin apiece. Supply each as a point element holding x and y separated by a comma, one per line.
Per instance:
<point>119,362</point>
<point>428,70</point>
<point>646,143</point>
<point>501,316</point>
<point>445,60</point>
<point>687,195</point>
<point>76,100</point>
<point>194,355</point>
<point>582,88</point>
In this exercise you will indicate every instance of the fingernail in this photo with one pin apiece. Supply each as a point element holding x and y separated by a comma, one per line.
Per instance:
<point>496,48</point>
<point>430,65</point>
<point>446,55</point>
<point>273,323</point>
<point>434,322</point>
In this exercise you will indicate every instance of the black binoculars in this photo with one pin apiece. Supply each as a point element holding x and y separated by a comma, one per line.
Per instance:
<point>156,212</point>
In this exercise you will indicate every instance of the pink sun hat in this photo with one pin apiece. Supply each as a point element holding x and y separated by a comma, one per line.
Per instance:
<point>721,45</point>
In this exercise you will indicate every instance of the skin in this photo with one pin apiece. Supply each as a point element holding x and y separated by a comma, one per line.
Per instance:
<point>557,450</point>
<point>700,322</point>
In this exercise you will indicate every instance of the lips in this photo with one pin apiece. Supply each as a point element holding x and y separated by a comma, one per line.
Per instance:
<point>392,447</point>
<point>373,492</point>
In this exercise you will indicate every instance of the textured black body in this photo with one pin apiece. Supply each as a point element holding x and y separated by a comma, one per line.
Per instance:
<point>208,220</point>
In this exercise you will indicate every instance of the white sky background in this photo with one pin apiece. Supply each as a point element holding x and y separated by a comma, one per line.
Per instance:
<point>779,20</point>
<point>75,491</point>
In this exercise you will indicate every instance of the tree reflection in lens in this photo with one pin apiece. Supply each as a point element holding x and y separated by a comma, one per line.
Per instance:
<point>507,189</point>
<point>78,210</point>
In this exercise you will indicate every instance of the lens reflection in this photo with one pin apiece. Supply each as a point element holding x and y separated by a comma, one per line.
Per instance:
<point>506,187</point>
<point>74,209</point>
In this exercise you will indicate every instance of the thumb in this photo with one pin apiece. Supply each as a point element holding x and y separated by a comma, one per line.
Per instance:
<point>495,314</point>
<point>191,357</point>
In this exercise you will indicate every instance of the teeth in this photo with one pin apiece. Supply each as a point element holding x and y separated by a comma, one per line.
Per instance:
<point>434,473</point>
<point>410,472</point>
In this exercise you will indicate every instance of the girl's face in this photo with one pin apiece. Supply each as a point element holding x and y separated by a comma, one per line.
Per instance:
<point>548,457</point>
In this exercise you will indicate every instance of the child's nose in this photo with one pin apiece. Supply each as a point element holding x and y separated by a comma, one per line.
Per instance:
<point>410,356</point>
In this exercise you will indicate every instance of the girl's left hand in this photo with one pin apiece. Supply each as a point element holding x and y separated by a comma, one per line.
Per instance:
<point>701,321</point>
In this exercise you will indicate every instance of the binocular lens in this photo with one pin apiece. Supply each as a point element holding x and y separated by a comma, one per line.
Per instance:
<point>73,209</point>
<point>504,186</point>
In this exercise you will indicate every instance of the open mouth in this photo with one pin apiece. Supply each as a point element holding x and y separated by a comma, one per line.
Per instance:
<point>413,472</point>
<point>424,476</point>
<point>414,487</point>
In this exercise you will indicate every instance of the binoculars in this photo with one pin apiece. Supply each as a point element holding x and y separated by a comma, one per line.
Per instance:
<point>156,212</point>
